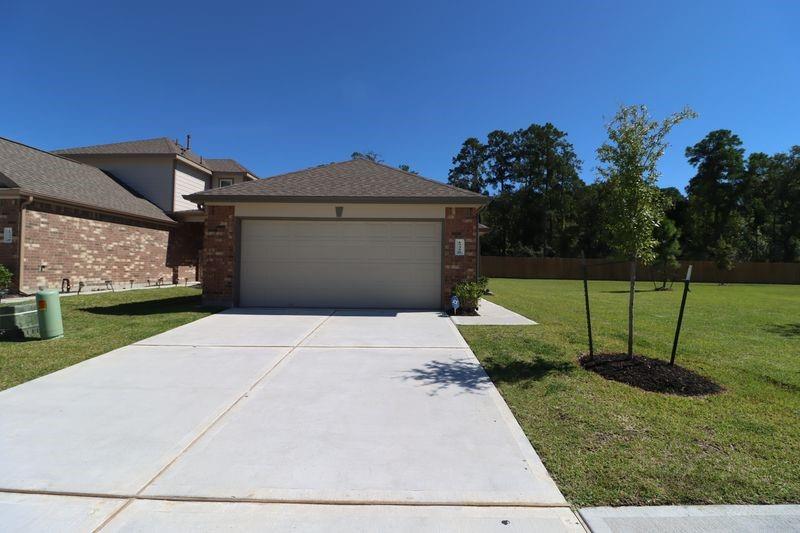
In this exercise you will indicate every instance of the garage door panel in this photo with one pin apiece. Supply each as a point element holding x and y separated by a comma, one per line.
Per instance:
<point>340,263</point>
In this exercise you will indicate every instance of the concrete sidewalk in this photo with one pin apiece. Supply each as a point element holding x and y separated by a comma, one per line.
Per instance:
<point>693,518</point>
<point>491,314</point>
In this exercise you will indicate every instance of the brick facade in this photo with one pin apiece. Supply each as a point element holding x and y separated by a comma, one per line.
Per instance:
<point>459,223</point>
<point>62,245</point>
<point>219,255</point>
<point>183,251</point>
<point>9,252</point>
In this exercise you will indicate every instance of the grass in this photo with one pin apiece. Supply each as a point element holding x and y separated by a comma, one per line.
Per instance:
<point>96,324</point>
<point>607,443</point>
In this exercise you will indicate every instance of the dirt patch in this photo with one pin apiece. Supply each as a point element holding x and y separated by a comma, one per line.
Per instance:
<point>649,374</point>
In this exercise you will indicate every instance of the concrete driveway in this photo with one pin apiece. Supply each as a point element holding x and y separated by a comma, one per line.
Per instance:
<point>319,420</point>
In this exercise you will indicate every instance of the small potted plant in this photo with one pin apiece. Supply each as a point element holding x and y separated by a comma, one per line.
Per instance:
<point>469,294</point>
<point>5,281</point>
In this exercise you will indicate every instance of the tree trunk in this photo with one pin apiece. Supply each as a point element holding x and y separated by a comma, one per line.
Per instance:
<point>630,309</point>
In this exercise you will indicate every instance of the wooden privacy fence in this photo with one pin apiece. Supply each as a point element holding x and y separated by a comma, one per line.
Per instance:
<point>570,268</point>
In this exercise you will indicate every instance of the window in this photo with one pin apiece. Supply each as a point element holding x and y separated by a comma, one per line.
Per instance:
<point>224,182</point>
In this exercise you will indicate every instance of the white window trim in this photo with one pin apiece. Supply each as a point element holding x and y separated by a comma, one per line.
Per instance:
<point>228,180</point>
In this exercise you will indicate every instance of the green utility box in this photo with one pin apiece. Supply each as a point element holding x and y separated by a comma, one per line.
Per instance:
<point>48,304</point>
<point>19,321</point>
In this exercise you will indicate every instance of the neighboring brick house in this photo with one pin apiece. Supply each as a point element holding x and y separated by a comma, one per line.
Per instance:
<point>350,234</point>
<point>106,212</point>
<point>163,171</point>
<point>63,219</point>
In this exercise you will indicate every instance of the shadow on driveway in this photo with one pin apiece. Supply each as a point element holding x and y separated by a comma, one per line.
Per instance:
<point>461,373</point>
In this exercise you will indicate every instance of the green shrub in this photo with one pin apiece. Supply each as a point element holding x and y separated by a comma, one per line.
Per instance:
<point>5,277</point>
<point>469,292</point>
<point>483,281</point>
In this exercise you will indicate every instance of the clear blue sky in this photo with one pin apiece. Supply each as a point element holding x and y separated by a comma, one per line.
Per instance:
<point>292,84</point>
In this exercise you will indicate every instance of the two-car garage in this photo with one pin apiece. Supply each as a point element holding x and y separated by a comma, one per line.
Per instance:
<point>340,263</point>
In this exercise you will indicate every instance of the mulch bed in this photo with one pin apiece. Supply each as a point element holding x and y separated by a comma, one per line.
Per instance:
<point>649,374</point>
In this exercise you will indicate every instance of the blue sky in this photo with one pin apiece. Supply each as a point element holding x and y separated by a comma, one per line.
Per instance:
<point>282,86</point>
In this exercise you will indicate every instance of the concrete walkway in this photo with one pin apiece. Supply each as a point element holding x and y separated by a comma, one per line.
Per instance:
<point>693,518</point>
<point>491,314</point>
<point>319,420</point>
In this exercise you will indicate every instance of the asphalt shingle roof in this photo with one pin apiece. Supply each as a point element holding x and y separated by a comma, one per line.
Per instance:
<point>224,165</point>
<point>355,180</point>
<point>159,145</point>
<point>41,173</point>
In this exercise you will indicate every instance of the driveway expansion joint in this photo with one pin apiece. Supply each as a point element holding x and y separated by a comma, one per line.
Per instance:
<point>298,501</point>
<point>202,433</point>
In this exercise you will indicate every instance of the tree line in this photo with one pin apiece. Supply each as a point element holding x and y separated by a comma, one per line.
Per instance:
<point>735,208</point>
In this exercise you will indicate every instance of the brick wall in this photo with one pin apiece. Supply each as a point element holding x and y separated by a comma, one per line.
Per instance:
<point>459,223</point>
<point>219,253</point>
<point>9,252</point>
<point>183,251</point>
<point>63,242</point>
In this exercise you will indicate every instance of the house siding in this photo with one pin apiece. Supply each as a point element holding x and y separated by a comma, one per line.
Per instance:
<point>151,177</point>
<point>237,177</point>
<point>188,180</point>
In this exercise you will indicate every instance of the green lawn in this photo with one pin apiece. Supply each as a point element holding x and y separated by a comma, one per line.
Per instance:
<point>96,324</point>
<point>606,443</point>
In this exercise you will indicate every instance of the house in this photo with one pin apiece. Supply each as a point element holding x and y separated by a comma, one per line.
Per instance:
<point>65,219</point>
<point>352,234</point>
<point>163,171</point>
<point>105,212</point>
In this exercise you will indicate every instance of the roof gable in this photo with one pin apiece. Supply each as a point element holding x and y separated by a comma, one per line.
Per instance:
<point>355,180</point>
<point>43,174</point>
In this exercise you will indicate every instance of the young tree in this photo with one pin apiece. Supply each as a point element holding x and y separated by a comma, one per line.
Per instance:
<point>629,167</point>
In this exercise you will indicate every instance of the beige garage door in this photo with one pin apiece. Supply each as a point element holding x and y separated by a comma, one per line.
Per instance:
<point>340,263</point>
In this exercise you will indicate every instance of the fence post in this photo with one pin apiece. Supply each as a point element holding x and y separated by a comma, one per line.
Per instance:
<point>586,299</point>
<point>680,314</point>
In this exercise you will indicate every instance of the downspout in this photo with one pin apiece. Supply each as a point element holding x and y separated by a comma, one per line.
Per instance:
<point>21,243</point>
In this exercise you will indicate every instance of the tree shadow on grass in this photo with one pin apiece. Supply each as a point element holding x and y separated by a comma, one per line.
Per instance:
<point>470,377</point>
<point>519,370</point>
<point>178,304</point>
<point>785,330</point>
